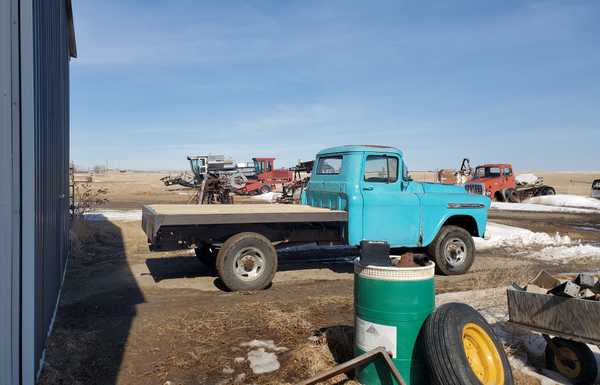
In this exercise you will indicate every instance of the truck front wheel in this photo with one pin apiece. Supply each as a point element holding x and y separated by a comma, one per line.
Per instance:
<point>453,250</point>
<point>247,261</point>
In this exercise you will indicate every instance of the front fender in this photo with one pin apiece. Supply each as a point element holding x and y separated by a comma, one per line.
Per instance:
<point>433,226</point>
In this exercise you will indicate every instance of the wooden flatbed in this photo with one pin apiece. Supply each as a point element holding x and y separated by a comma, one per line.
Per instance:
<point>156,216</point>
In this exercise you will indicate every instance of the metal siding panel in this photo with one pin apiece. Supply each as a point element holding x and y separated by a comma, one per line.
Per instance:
<point>9,194</point>
<point>51,126</point>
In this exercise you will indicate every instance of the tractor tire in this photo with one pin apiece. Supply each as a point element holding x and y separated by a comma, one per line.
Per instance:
<point>462,349</point>
<point>207,254</point>
<point>452,250</point>
<point>265,188</point>
<point>510,194</point>
<point>576,361</point>
<point>247,261</point>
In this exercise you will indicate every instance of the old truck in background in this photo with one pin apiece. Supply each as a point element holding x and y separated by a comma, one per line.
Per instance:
<point>355,193</point>
<point>498,182</point>
<point>596,189</point>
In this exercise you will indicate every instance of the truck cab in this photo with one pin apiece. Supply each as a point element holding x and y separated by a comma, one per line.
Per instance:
<point>383,203</point>
<point>496,179</point>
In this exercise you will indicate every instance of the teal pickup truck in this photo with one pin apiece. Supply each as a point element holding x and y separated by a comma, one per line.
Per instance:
<point>355,193</point>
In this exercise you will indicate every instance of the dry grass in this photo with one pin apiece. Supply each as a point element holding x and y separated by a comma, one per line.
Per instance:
<point>489,279</point>
<point>327,348</point>
<point>288,325</point>
<point>523,379</point>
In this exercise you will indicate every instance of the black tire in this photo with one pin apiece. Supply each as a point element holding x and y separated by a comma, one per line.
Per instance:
<point>452,353</point>
<point>578,364</point>
<point>499,196</point>
<point>265,188</point>
<point>247,261</point>
<point>207,254</point>
<point>510,195</point>
<point>452,250</point>
<point>547,190</point>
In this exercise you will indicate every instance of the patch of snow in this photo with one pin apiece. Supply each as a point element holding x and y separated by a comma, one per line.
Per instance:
<point>265,344</point>
<point>539,208</point>
<point>228,370</point>
<point>526,178</point>
<point>509,236</point>
<point>268,197</point>
<point>114,215</point>
<point>262,361</point>
<point>563,200</point>
<point>565,253</point>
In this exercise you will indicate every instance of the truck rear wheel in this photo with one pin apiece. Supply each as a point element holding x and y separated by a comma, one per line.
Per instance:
<point>452,250</point>
<point>547,190</point>
<point>511,195</point>
<point>247,261</point>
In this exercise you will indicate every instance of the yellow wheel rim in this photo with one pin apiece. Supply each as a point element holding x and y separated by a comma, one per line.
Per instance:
<point>567,363</point>
<point>482,355</point>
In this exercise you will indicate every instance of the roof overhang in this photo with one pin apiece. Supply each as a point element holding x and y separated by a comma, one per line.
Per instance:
<point>71,29</point>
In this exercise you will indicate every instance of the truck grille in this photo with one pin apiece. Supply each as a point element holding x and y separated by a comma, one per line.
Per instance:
<point>475,188</point>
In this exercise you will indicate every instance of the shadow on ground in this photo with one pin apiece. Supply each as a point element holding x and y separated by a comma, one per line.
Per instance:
<point>166,268</point>
<point>94,318</point>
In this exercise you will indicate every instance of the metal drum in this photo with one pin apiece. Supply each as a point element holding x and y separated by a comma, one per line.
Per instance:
<point>391,304</point>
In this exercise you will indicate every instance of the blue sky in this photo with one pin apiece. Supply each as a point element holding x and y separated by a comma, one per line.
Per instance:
<point>498,81</point>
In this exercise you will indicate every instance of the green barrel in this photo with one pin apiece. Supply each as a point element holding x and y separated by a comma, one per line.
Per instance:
<point>391,304</point>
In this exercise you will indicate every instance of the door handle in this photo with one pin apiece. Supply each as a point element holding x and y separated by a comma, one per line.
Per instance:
<point>368,188</point>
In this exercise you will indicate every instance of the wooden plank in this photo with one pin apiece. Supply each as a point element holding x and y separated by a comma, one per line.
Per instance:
<point>556,333</point>
<point>177,215</point>
<point>564,316</point>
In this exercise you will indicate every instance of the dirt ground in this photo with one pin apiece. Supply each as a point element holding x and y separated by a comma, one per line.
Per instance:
<point>129,316</point>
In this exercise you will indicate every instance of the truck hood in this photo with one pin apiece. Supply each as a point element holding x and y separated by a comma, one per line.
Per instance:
<point>482,180</point>
<point>443,188</point>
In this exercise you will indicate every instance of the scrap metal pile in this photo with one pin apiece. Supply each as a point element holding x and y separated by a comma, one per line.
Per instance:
<point>216,179</point>
<point>584,286</point>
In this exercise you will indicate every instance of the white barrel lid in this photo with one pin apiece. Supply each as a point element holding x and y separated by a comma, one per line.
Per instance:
<point>395,273</point>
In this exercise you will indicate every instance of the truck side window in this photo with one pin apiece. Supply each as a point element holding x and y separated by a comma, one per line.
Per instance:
<point>381,168</point>
<point>330,165</point>
<point>507,171</point>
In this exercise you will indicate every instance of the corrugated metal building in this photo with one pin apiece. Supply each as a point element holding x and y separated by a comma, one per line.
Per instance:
<point>36,43</point>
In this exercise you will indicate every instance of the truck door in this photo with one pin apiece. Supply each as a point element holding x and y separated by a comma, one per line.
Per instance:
<point>391,212</point>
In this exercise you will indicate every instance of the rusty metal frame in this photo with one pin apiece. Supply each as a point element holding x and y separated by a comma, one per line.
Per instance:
<point>356,362</point>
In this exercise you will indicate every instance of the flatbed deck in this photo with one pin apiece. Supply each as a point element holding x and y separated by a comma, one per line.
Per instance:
<point>156,216</point>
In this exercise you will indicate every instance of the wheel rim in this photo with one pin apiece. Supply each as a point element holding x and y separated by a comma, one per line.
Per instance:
<point>249,264</point>
<point>567,362</point>
<point>482,355</point>
<point>455,251</point>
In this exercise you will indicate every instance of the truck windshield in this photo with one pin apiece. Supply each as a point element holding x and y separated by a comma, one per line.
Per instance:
<point>329,165</point>
<point>596,184</point>
<point>487,172</point>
